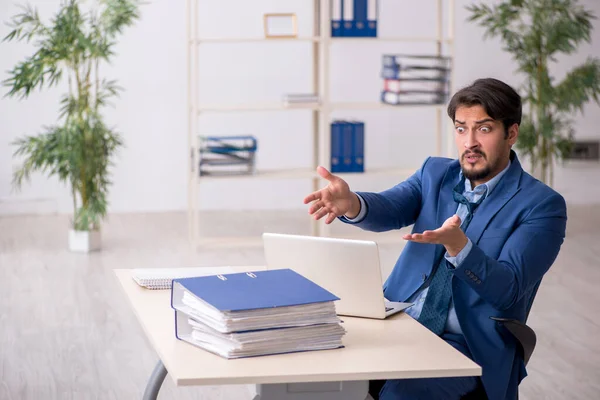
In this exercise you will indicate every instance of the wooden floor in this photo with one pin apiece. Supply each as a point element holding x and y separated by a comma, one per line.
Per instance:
<point>67,332</point>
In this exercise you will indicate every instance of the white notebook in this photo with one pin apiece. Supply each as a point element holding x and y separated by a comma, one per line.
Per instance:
<point>161,278</point>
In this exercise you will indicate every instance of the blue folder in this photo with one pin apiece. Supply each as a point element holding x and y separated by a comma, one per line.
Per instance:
<point>347,146</point>
<point>348,22</point>
<point>372,17</point>
<point>365,18</point>
<point>358,146</point>
<point>255,290</point>
<point>337,7</point>
<point>336,147</point>
<point>360,18</point>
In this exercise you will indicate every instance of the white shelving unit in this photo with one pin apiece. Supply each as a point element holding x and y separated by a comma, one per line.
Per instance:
<point>321,114</point>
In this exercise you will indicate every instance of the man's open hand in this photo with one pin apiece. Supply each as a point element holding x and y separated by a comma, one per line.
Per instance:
<point>449,234</point>
<point>334,200</point>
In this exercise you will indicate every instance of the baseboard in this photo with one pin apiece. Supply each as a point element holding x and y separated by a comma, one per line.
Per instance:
<point>16,206</point>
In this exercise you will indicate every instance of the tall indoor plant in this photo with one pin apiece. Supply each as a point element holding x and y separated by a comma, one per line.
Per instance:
<point>535,32</point>
<point>80,147</point>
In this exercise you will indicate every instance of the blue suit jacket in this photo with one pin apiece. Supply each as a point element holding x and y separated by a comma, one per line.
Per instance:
<point>517,232</point>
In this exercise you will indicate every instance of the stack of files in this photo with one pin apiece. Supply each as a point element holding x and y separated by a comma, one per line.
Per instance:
<point>255,313</point>
<point>415,79</point>
<point>300,99</point>
<point>354,18</point>
<point>347,146</point>
<point>227,155</point>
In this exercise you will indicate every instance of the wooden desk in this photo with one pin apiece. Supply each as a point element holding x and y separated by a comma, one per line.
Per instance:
<point>398,347</point>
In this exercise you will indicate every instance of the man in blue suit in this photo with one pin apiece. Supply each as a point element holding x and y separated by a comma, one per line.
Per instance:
<point>485,233</point>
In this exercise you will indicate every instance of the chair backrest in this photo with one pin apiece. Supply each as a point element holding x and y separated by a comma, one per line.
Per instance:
<point>523,333</point>
<point>526,338</point>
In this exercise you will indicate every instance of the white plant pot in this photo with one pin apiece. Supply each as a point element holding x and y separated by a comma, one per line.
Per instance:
<point>84,241</point>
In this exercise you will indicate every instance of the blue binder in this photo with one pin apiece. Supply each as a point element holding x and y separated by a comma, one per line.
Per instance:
<point>390,72</point>
<point>337,7</point>
<point>347,146</point>
<point>389,61</point>
<point>360,18</point>
<point>255,290</point>
<point>365,18</point>
<point>358,146</point>
<point>348,23</point>
<point>336,147</point>
<point>372,17</point>
<point>220,144</point>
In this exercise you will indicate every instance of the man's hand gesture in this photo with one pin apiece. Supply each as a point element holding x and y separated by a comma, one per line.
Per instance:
<point>449,234</point>
<point>334,200</point>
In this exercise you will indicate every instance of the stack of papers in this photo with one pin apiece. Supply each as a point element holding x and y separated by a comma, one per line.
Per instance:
<point>259,342</point>
<point>252,314</point>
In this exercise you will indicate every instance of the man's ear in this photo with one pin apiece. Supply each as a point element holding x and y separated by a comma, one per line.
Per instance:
<point>513,134</point>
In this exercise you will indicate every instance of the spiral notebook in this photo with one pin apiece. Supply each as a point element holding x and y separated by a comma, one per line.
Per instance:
<point>162,278</point>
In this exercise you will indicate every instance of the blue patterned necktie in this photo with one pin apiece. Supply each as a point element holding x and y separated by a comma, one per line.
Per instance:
<point>437,302</point>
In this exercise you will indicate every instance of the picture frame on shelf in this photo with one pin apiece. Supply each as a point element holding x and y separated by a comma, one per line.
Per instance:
<point>280,25</point>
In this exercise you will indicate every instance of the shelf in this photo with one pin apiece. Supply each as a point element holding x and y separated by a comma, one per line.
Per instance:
<point>320,113</point>
<point>274,106</point>
<point>338,39</point>
<point>375,172</point>
<point>299,173</point>
<point>257,241</point>
<point>335,39</point>
<point>256,40</point>
<point>379,106</point>
<point>306,173</point>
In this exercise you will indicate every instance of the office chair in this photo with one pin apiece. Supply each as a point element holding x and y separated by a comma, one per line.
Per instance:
<point>524,334</point>
<point>525,337</point>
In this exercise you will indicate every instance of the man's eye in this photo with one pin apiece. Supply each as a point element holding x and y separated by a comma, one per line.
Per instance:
<point>460,129</point>
<point>485,129</point>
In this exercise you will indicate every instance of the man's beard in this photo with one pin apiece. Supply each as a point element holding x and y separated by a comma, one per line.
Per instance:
<point>474,174</point>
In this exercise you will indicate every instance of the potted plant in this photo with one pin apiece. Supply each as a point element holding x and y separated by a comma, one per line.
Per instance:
<point>80,147</point>
<point>535,32</point>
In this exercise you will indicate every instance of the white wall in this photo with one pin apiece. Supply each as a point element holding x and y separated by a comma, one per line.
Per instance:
<point>150,114</point>
<point>151,172</point>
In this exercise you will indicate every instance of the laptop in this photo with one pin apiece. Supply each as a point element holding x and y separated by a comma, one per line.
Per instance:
<point>350,269</point>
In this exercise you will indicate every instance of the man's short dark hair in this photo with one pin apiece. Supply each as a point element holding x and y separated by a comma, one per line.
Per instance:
<point>500,101</point>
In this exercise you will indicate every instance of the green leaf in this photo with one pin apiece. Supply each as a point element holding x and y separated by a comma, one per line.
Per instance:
<point>42,153</point>
<point>26,25</point>
<point>118,14</point>
<point>528,138</point>
<point>563,147</point>
<point>580,85</point>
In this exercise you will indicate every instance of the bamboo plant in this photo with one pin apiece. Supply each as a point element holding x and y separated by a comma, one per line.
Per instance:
<point>79,148</point>
<point>535,32</point>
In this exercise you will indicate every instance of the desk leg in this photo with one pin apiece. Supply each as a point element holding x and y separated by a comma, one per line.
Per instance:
<point>155,382</point>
